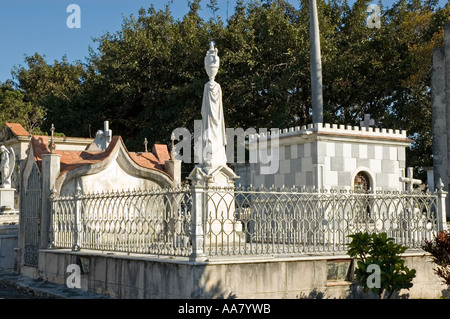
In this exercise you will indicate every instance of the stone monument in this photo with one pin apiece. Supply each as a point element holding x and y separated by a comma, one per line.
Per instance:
<point>173,165</point>
<point>213,161</point>
<point>340,157</point>
<point>440,96</point>
<point>7,164</point>
<point>102,139</point>
<point>212,175</point>
<point>213,124</point>
<point>8,215</point>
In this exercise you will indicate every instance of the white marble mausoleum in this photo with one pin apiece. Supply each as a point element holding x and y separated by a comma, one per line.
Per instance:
<point>326,156</point>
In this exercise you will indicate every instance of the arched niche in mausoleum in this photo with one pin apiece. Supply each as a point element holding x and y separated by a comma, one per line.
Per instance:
<point>363,180</point>
<point>363,183</point>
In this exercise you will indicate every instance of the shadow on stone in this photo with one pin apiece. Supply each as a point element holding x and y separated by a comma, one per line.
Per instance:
<point>207,287</point>
<point>314,294</point>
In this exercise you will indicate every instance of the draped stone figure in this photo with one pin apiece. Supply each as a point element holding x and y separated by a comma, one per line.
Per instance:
<point>7,162</point>
<point>213,123</point>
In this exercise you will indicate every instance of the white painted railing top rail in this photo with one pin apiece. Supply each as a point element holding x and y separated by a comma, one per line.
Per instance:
<point>199,221</point>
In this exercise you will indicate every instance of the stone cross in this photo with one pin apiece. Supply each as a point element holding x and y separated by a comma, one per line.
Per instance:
<point>367,121</point>
<point>409,180</point>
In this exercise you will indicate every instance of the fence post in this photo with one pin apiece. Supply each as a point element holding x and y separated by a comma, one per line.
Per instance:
<point>50,173</point>
<point>441,209</point>
<point>51,231</point>
<point>77,215</point>
<point>198,217</point>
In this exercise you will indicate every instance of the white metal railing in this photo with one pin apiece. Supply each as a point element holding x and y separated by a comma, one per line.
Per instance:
<point>198,221</point>
<point>285,221</point>
<point>153,221</point>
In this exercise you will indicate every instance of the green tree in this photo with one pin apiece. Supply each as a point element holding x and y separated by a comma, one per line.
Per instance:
<point>385,72</point>
<point>264,59</point>
<point>147,78</point>
<point>56,89</point>
<point>422,30</point>
<point>13,108</point>
<point>149,75</point>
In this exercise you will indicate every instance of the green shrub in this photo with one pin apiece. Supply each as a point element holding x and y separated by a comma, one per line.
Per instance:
<point>439,248</point>
<point>380,268</point>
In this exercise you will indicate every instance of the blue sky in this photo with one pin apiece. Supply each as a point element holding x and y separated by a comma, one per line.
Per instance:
<point>30,26</point>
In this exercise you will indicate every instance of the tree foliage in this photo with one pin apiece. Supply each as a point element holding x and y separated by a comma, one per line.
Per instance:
<point>14,108</point>
<point>147,78</point>
<point>56,90</point>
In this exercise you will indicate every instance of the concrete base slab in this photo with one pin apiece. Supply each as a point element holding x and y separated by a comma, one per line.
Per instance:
<point>133,276</point>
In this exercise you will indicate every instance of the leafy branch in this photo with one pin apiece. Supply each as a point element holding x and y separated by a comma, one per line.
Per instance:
<point>380,252</point>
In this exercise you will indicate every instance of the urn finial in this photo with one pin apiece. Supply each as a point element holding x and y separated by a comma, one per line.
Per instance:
<point>212,61</point>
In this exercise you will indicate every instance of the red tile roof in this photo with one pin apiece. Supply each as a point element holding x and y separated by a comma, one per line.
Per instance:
<point>74,159</point>
<point>148,160</point>
<point>69,159</point>
<point>17,129</point>
<point>162,152</point>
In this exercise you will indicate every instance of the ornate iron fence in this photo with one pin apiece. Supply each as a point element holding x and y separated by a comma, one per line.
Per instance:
<point>30,206</point>
<point>286,221</point>
<point>154,221</point>
<point>201,221</point>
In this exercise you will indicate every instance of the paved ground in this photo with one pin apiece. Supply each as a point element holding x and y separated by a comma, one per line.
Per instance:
<point>10,292</point>
<point>14,286</point>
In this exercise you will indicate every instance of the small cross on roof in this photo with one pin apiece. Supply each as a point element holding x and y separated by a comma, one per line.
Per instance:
<point>368,122</point>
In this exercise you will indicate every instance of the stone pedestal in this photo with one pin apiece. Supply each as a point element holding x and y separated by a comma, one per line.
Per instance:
<point>50,171</point>
<point>7,199</point>
<point>221,226</point>
<point>213,211</point>
<point>9,234</point>
<point>9,228</point>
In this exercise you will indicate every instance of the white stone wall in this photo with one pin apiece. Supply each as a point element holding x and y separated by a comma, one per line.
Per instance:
<point>147,277</point>
<point>112,178</point>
